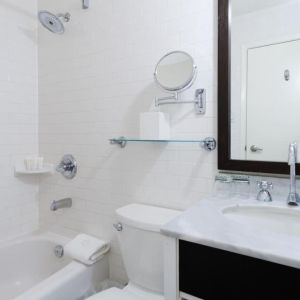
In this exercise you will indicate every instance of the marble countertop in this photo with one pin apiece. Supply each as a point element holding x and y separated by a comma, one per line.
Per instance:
<point>205,223</point>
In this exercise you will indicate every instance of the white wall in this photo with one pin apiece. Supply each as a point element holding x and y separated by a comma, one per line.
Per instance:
<point>18,115</point>
<point>94,81</point>
<point>273,24</point>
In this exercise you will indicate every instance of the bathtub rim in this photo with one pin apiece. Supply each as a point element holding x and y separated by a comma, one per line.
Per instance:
<point>36,236</point>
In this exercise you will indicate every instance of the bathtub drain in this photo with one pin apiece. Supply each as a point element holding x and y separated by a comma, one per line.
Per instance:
<point>59,251</point>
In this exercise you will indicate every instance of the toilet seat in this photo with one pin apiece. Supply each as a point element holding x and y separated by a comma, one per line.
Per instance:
<point>130,292</point>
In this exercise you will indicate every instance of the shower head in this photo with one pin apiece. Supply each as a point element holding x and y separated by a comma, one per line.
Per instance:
<point>53,22</point>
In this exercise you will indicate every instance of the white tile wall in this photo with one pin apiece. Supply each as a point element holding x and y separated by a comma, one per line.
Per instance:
<point>18,115</point>
<point>94,81</point>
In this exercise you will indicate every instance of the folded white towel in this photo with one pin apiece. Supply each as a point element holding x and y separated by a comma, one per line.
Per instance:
<point>86,249</point>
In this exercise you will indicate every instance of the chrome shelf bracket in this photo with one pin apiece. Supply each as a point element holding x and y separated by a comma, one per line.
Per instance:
<point>209,144</point>
<point>199,101</point>
<point>121,141</point>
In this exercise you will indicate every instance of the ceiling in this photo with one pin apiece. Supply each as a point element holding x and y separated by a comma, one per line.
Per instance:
<point>241,7</point>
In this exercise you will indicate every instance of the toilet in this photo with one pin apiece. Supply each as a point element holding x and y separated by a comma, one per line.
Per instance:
<point>141,243</point>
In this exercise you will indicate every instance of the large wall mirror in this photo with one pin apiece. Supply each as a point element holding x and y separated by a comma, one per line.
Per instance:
<point>259,84</point>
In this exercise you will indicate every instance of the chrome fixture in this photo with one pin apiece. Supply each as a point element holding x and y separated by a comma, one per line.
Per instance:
<point>59,251</point>
<point>264,193</point>
<point>254,148</point>
<point>199,101</point>
<point>59,204</point>
<point>293,197</point>
<point>287,75</point>
<point>228,178</point>
<point>121,141</point>
<point>85,4</point>
<point>209,144</point>
<point>174,73</point>
<point>118,226</point>
<point>67,166</point>
<point>53,23</point>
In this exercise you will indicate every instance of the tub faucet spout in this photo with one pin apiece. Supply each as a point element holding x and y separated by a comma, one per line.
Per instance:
<point>63,203</point>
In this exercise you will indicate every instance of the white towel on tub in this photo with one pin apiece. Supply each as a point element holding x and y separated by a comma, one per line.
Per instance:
<point>86,249</point>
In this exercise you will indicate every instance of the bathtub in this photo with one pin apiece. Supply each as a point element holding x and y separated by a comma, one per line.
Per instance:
<point>29,270</point>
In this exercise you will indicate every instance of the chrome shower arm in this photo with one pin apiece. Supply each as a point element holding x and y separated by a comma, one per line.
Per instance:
<point>85,4</point>
<point>66,17</point>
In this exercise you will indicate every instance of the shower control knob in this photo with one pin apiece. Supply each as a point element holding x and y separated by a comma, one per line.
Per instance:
<point>67,166</point>
<point>118,226</point>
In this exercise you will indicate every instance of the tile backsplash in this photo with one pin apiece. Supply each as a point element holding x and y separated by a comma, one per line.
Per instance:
<point>279,190</point>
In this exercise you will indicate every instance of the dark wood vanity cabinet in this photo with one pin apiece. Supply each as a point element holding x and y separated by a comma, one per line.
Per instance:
<point>212,274</point>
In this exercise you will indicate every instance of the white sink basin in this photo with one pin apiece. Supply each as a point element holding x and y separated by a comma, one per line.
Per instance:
<point>279,220</point>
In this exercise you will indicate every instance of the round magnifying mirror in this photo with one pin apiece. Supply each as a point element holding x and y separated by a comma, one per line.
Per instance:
<point>175,71</point>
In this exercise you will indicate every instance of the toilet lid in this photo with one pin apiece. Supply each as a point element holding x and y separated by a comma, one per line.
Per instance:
<point>114,294</point>
<point>146,217</point>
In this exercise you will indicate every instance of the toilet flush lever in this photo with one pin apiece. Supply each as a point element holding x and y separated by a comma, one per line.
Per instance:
<point>118,226</point>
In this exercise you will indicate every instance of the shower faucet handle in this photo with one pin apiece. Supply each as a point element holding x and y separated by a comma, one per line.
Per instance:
<point>67,166</point>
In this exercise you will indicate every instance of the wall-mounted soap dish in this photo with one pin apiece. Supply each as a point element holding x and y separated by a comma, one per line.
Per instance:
<point>46,169</point>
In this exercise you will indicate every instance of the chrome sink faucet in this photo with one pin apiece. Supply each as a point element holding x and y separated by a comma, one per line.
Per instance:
<point>293,197</point>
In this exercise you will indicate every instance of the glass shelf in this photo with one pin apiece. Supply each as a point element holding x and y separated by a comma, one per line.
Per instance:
<point>208,144</point>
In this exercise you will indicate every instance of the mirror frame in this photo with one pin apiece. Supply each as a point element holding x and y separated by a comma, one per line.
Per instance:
<point>225,162</point>
<point>185,85</point>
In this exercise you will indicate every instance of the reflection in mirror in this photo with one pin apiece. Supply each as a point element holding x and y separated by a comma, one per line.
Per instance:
<point>175,71</point>
<point>265,78</point>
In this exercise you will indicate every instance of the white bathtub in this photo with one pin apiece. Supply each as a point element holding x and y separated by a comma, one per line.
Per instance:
<point>29,270</point>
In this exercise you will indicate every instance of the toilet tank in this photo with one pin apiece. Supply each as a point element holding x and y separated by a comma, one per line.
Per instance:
<point>142,244</point>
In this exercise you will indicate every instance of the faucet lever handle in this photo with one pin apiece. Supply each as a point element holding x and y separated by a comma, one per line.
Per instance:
<point>264,185</point>
<point>264,193</point>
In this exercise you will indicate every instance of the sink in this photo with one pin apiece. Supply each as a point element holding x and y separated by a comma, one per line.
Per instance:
<point>264,230</point>
<point>279,220</point>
